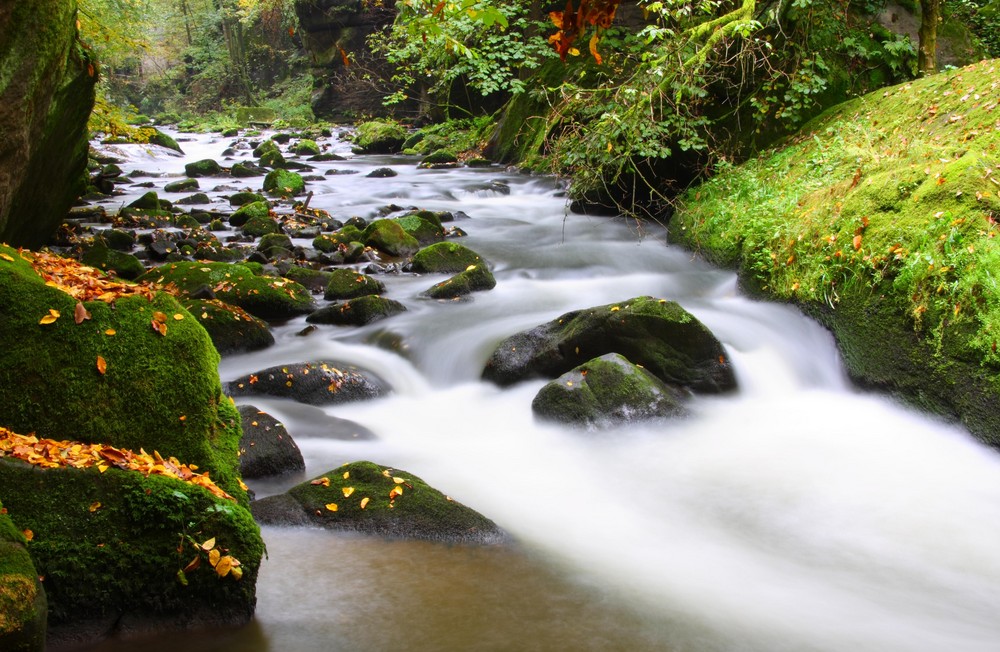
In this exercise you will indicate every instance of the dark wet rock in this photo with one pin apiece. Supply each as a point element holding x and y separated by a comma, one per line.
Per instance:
<point>243,198</point>
<point>477,162</point>
<point>266,297</point>
<point>336,172</point>
<point>118,239</point>
<point>314,279</point>
<point>275,244</point>
<point>371,499</point>
<point>495,186</point>
<point>161,246</point>
<point>475,278</point>
<point>607,391</point>
<point>445,258</point>
<point>382,173</point>
<point>203,168</point>
<point>104,258</point>
<point>232,329</point>
<point>357,312</point>
<point>349,284</point>
<point>245,169</point>
<point>258,226</point>
<point>314,383</point>
<point>266,449</point>
<point>439,160</point>
<point>149,201</point>
<point>253,209</point>
<point>389,237</point>
<point>424,230</point>
<point>657,334</point>
<point>23,607</point>
<point>281,138</point>
<point>273,159</point>
<point>197,198</point>
<point>326,156</point>
<point>283,183</point>
<point>184,185</point>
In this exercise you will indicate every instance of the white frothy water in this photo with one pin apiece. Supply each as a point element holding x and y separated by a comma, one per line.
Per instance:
<point>796,514</point>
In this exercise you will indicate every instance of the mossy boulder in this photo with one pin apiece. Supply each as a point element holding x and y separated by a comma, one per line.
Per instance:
<point>232,329</point>
<point>423,230</point>
<point>157,137</point>
<point>23,607</point>
<point>118,239</point>
<point>379,137</point>
<point>204,168</point>
<point>389,237</point>
<point>266,450</point>
<point>348,284</point>
<point>274,244</point>
<point>159,388</point>
<point>444,258</point>
<point>272,159</point>
<point>657,334</point>
<point>252,209</point>
<point>148,201</point>
<point>607,391</point>
<point>314,383</point>
<point>197,198</point>
<point>475,278</point>
<point>329,242</point>
<point>283,183</point>
<point>267,297</point>
<point>184,185</point>
<point>116,550</point>
<point>46,96</point>
<point>314,279</point>
<point>110,260</point>
<point>265,147</point>
<point>357,312</point>
<point>440,159</point>
<point>244,198</point>
<point>258,226</point>
<point>372,499</point>
<point>243,170</point>
<point>306,147</point>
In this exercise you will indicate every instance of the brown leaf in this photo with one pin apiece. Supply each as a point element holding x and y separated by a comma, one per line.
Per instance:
<point>80,313</point>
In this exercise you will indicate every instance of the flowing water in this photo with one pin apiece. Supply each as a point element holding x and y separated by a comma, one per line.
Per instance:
<point>797,514</point>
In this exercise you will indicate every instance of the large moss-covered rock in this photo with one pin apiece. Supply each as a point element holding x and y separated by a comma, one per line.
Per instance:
<point>379,137</point>
<point>46,95</point>
<point>476,278</point>
<point>266,449</point>
<point>248,211</point>
<point>116,550</point>
<point>349,284</point>
<point>111,260</point>
<point>139,373</point>
<point>282,183</point>
<point>23,607</point>
<point>267,297</point>
<point>357,311</point>
<point>445,258</point>
<point>314,383</point>
<point>607,391</point>
<point>232,329</point>
<point>426,231</point>
<point>372,499</point>
<point>204,168</point>
<point>657,334</point>
<point>389,237</point>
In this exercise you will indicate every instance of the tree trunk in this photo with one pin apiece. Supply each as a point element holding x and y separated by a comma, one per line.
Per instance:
<point>930,16</point>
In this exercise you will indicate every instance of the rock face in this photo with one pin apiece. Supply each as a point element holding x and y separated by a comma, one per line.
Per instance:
<point>657,334</point>
<point>46,94</point>
<point>23,608</point>
<point>332,30</point>
<point>372,499</point>
<point>606,391</point>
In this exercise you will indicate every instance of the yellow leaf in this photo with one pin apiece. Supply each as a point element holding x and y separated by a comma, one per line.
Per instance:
<point>224,566</point>
<point>396,491</point>
<point>94,506</point>
<point>236,573</point>
<point>208,545</point>
<point>178,316</point>
<point>29,535</point>
<point>331,506</point>
<point>347,491</point>
<point>214,556</point>
<point>347,474</point>
<point>398,480</point>
<point>364,502</point>
<point>49,318</point>
<point>7,257</point>
<point>110,331</point>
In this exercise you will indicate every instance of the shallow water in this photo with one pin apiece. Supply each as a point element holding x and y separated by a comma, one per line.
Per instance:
<point>797,514</point>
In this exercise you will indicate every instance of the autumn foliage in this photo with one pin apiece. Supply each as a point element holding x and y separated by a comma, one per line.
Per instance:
<point>572,23</point>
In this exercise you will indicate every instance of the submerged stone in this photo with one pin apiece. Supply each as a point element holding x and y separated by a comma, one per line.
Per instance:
<point>380,501</point>
<point>357,312</point>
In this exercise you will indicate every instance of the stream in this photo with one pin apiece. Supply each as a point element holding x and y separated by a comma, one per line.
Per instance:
<point>797,514</point>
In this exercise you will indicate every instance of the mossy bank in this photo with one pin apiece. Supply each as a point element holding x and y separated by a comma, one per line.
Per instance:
<point>879,219</point>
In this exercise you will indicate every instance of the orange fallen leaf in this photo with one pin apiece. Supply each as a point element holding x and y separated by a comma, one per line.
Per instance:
<point>214,556</point>
<point>159,326</point>
<point>857,242</point>
<point>49,318</point>
<point>224,566</point>
<point>80,313</point>
<point>28,534</point>
<point>347,491</point>
<point>324,481</point>
<point>7,257</point>
<point>208,545</point>
<point>110,332</point>
<point>331,506</point>
<point>94,506</point>
<point>193,565</point>
<point>364,502</point>
<point>102,365</point>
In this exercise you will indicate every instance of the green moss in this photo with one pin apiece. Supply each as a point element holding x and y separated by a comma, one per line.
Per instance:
<point>314,279</point>
<point>306,147</point>
<point>113,544</point>
<point>283,183</point>
<point>50,383</point>
<point>475,278</point>
<point>250,210</point>
<point>109,260</point>
<point>258,226</point>
<point>23,607</point>
<point>886,203</point>
<point>423,230</point>
<point>444,258</point>
<point>379,137</point>
<point>231,328</point>
<point>266,297</point>
<point>348,284</point>
<point>388,236</point>
<point>203,168</point>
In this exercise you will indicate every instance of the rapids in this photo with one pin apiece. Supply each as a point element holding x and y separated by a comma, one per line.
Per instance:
<point>798,514</point>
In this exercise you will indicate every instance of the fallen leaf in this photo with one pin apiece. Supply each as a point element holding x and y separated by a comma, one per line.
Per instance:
<point>364,502</point>
<point>28,534</point>
<point>398,480</point>
<point>94,506</point>
<point>347,491</point>
<point>102,365</point>
<point>80,313</point>
<point>208,545</point>
<point>49,318</point>
<point>159,326</point>
<point>110,332</point>
<point>214,556</point>
<point>193,564</point>
<point>224,566</point>
<point>7,257</point>
<point>331,506</point>
<point>325,481</point>
<point>857,242</point>
<point>178,316</point>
